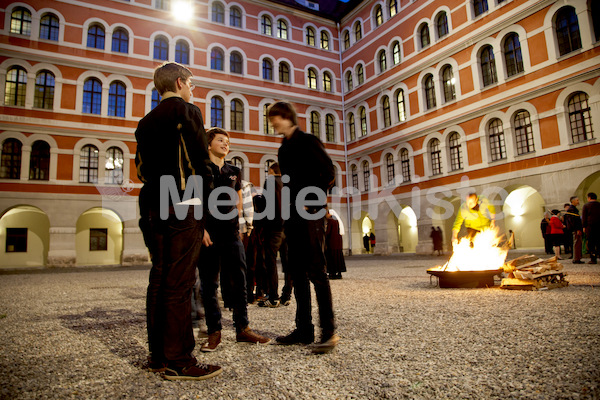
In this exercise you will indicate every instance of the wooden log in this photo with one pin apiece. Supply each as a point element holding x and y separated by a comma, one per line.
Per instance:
<point>521,260</point>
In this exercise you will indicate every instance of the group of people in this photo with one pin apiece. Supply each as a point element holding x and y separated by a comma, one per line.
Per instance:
<point>190,205</point>
<point>577,233</point>
<point>369,242</point>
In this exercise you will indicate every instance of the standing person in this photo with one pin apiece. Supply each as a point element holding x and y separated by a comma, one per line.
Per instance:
<point>545,228</point>
<point>568,234</point>
<point>590,216</point>
<point>306,165</point>
<point>367,243</point>
<point>254,255</point>
<point>372,242</point>
<point>334,253</point>
<point>574,225</point>
<point>556,232</point>
<point>227,251</point>
<point>477,213</point>
<point>174,243</point>
<point>272,235</point>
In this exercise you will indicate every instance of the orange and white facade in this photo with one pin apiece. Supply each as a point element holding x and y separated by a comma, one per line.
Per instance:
<point>416,102</point>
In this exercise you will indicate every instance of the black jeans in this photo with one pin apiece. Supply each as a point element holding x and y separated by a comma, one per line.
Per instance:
<point>225,255</point>
<point>174,246</point>
<point>272,243</point>
<point>306,258</point>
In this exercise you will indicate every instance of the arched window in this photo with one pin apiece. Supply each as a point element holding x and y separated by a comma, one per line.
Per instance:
<point>349,81</point>
<point>396,53</point>
<point>357,31</point>
<point>567,30</point>
<point>455,151</point>
<point>16,87</point>
<point>436,157</point>
<point>235,17</point>
<point>310,36</point>
<point>488,66</point>
<point>479,7</point>
<point>351,126</point>
<point>269,130</point>
<point>120,41</point>
<point>88,164</point>
<point>390,168</point>
<point>405,163</point>
<point>39,162</point>
<point>216,112</point>
<point>366,175</point>
<point>354,172</point>
<point>44,90</point>
<point>382,61</point>
<point>385,108</point>
<point>393,8</point>
<point>116,99</point>
<point>155,99</point>
<point>235,63</point>
<point>266,25</point>
<point>267,69</point>
<point>580,120</point>
<point>92,96</point>
<point>496,138</point>
<point>161,48</point>
<point>346,40</point>
<point>237,115</point>
<point>448,83</point>
<point>327,82</point>
<point>238,162</point>
<point>10,161</point>
<point>315,126</point>
<point>284,72</point>
<point>429,92</point>
<point>95,37</point>
<point>324,40</point>
<point>441,23</point>
<point>282,29</point>
<point>216,59</point>
<point>424,35</point>
<point>182,52</point>
<point>378,16</point>
<point>113,169</point>
<point>523,133</point>
<point>20,21</point>
<point>362,112</point>
<point>512,54</point>
<point>312,79</point>
<point>400,107</point>
<point>49,27</point>
<point>218,13</point>
<point>329,128</point>
<point>360,74</point>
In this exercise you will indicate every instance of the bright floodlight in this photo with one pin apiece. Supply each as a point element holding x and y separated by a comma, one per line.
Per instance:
<point>182,10</point>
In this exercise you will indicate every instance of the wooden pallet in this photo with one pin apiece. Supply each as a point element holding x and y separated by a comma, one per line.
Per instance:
<point>544,281</point>
<point>532,273</point>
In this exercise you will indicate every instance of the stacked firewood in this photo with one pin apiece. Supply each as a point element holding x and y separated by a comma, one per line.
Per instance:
<point>532,273</point>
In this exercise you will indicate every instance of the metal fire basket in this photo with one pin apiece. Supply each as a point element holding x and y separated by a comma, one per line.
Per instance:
<point>465,279</point>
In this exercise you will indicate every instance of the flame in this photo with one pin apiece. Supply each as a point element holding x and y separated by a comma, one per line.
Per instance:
<point>486,253</point>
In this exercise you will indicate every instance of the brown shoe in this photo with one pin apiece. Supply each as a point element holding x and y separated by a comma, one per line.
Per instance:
<point>247,336</point>
<point>213,341</point>
<point>326,345</point>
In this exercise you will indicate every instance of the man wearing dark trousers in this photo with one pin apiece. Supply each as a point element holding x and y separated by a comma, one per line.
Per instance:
<point>308,172</point>
<point>574,226</point>
<point>171,150</point>
<point>272,234</point>
<point>590,215</point>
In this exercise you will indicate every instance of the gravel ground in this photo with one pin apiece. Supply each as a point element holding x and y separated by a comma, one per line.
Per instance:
<point>81,335</point>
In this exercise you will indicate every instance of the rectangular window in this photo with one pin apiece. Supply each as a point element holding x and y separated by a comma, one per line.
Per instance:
<point>98,239</point>
<point>16,240</point>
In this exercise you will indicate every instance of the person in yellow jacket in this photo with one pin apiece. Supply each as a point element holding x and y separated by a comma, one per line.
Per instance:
<point>477,213</point>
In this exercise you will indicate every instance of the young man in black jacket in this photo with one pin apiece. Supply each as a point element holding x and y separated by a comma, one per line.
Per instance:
<point>575,228</point>
<point>171,150</point>
<point>308,173</point>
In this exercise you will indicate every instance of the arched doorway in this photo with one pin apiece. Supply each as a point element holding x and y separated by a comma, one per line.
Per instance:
<point>408,236</point>
<point>367,227</point>
<point>99,237</point>
<point>523,211</point>
<point>24,237</point>
<point>589,184</point>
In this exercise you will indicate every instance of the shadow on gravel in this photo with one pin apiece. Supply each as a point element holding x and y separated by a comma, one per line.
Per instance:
<point>118,329</point>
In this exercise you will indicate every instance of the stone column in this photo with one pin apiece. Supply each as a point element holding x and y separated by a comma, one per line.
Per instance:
<point>62,252</point>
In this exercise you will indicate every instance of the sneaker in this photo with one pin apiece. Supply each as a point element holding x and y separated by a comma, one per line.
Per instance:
<point>296,338</point>
<point>326,345</point>
<point>285,302</point>
<point>153,366</point>
<point>214,339</point>
<point>248,336</point>
<point>269,303</point>
<point>577,262</point>
<point>194,373</point>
